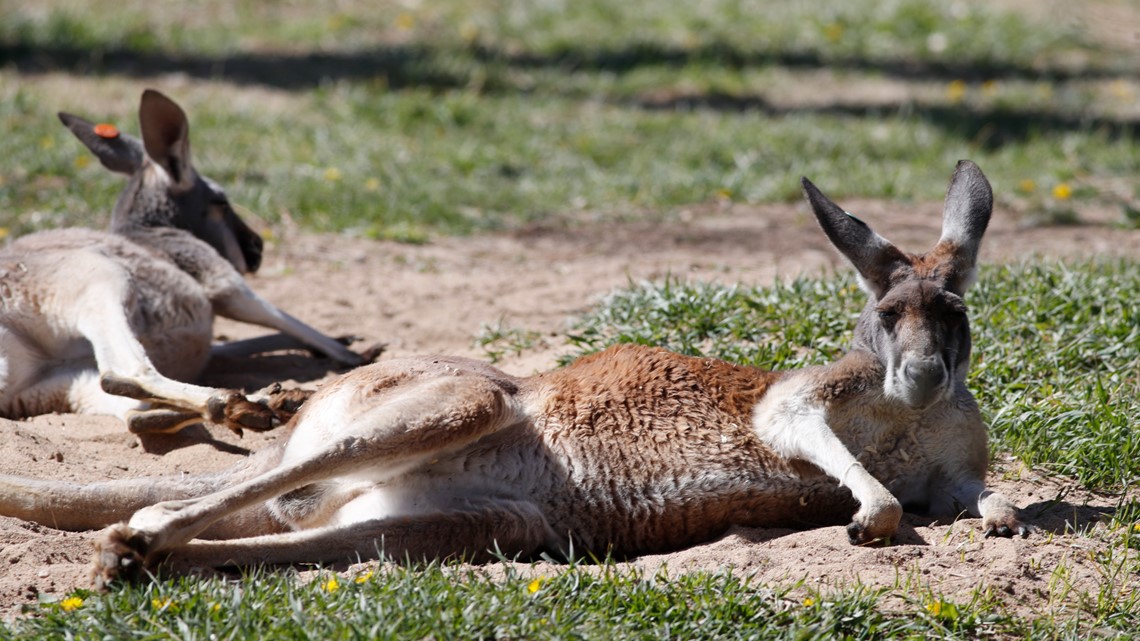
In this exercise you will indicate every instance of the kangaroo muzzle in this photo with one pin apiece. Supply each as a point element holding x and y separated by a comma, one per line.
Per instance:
<point>922,381</point>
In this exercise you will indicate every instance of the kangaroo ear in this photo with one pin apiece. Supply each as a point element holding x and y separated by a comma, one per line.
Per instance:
<point>969,203</point>
<point>117,151</point>
<point>875,258</point>
<point>166,136</point>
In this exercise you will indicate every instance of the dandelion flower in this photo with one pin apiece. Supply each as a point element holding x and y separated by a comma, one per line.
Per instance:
<point>534,585</point>
<point>372,184</point>
<point>468,31</point>
<point>70,604</point>
<point>808,602</point>
<point>956,90</point>
<point>163,604</point>
<point>833,32</point>
<point>1062,191</point>
<point>331,585</point>
<point>81,162</point>
<point>1027,185</point>
<point>364,577</point>
<point>934,607</point>
<point>405,21</point>
<point>332,174</point>
<point>3,233</point>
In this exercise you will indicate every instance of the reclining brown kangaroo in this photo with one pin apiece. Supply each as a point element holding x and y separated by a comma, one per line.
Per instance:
<point>116,322</point>
<point>633,450</point>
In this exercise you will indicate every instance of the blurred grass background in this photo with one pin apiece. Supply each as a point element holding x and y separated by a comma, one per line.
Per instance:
<point>406,119</point>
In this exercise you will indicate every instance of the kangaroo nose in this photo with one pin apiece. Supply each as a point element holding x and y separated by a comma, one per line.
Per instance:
<point>926,374</point>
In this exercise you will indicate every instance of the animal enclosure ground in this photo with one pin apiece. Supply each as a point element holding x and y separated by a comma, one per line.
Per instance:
<point>439,297</point>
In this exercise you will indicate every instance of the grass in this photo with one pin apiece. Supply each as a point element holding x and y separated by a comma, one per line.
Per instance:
<point>459,117</point>
<point>582,602</point>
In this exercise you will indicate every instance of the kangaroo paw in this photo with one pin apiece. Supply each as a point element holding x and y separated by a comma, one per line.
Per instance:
<point>285,402</point>
<point>1006,525</point>
<point>877,522</point>
<point>238,413</point>
<point>120,555</point>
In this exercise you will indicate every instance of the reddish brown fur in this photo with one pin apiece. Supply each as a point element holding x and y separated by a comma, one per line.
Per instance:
<point>632,418</point>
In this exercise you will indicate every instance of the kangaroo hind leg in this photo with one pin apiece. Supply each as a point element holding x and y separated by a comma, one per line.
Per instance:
<point>125,370</point>
<point>476,533</point>
<point>338,434</point>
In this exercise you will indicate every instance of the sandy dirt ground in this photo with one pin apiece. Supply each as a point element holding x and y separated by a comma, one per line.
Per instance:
<point>436,297</point>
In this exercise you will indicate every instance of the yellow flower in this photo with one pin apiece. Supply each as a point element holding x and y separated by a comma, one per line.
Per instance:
<point>332,174</point>
<point>81,162</point>
<point>1062,191</point>
<point>372,184</point>
<point>934,607</point>
<point>71,603</point>
<point>724,193</point>
<point>47,142</point>
<point>956,90</point>
<point>3,233</point>
<point>405,21</point>
<point>331,585</point>
<point>808,602</point>
<point>163,604</point>
<point>215,608</point>
<point>468,31</point>
<point>1136,527</point>
<point>1027,185</point>
<point>534,585</point>
<point>989,87</point>
<point>364,577</point>
<point>833,31</point>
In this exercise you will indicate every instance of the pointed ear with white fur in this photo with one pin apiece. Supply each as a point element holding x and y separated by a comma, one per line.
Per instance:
<point>965,216</point>
<point>873,256</point>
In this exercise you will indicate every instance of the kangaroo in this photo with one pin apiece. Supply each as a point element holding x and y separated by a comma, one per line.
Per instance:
<point>111,322</point>
<point>629,451</point>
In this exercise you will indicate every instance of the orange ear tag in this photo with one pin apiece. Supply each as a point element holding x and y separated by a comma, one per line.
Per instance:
<point>103,130</point>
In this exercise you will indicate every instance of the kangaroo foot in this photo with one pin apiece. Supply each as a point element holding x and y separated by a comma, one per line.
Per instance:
<point>236,412</point>
<point>120,555</point>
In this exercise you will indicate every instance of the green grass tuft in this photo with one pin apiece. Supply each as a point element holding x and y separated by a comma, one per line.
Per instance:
<point>582,602</point>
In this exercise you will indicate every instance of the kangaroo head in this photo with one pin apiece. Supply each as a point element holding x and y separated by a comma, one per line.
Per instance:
<point>164,189</point>
<point>915,322</point>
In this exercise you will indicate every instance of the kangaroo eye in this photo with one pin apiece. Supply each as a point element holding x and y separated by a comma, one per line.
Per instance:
<point>888,316</point>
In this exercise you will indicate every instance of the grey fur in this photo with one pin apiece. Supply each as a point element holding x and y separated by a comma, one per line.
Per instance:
<point>118,322</point>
